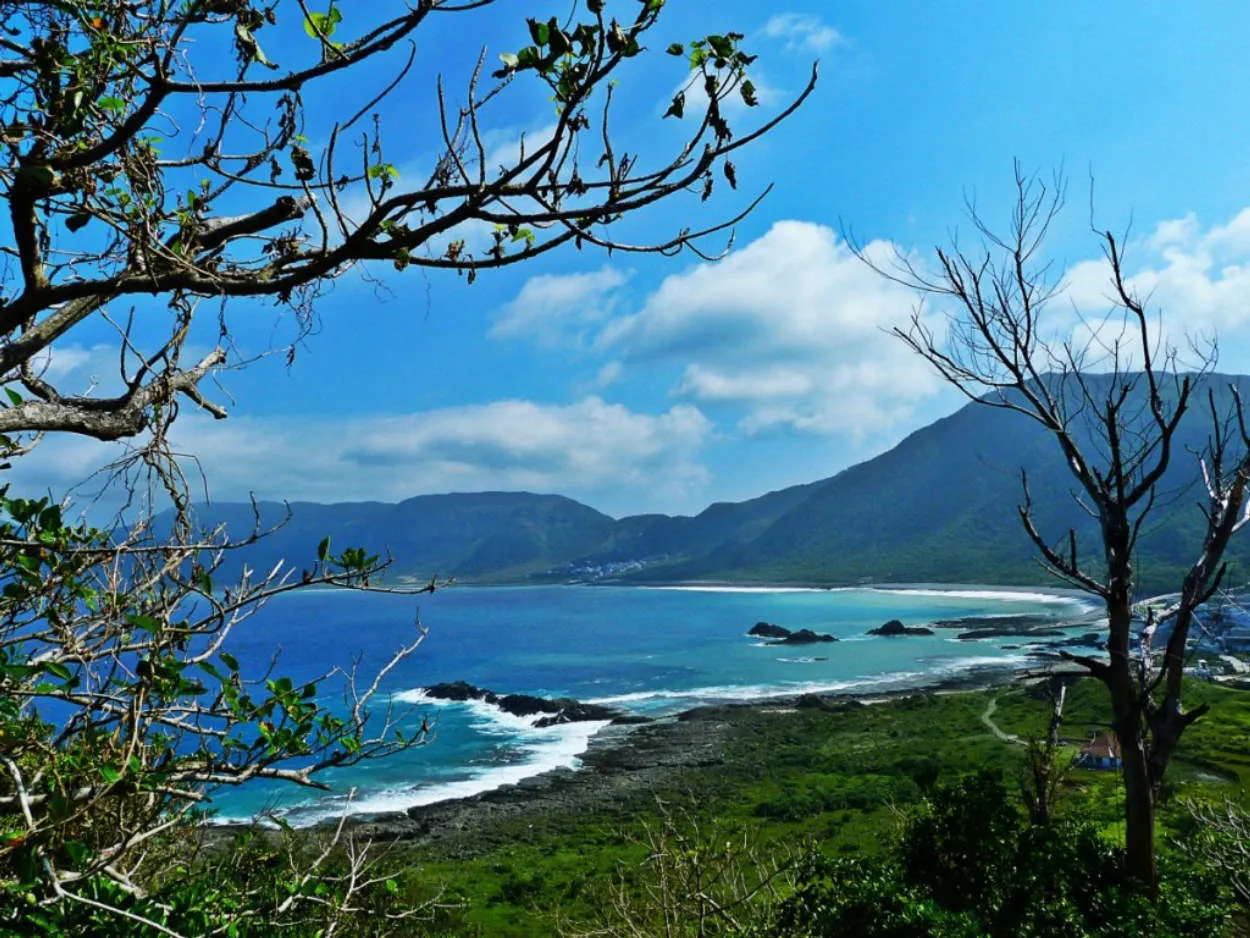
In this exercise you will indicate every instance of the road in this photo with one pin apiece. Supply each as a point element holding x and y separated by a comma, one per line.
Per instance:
<point>988,719</point>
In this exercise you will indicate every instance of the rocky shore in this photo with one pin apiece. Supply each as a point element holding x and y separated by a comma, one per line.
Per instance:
<point>633,757</point>
<point>625,764</point>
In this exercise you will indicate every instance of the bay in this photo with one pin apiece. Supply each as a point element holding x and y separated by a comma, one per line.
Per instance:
<point>651,651</point>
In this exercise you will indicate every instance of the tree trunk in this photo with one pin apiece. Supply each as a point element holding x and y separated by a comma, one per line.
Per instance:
<point>1139,814</point>
<point>1139,809</point>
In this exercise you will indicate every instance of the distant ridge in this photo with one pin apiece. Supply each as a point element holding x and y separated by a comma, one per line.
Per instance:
<point>938,507</point>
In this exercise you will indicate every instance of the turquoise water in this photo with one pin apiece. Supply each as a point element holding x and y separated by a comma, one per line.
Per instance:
<point>651,651</point>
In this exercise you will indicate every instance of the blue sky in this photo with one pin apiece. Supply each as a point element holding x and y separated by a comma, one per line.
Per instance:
<point>641,384</point>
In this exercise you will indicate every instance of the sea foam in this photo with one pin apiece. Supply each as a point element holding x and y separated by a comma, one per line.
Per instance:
<point>536,750</point>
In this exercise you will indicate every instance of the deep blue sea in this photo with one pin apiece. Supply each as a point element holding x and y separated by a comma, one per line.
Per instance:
<point>651,651</point>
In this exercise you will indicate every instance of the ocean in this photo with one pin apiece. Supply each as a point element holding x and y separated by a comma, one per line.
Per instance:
<point>650,651</point>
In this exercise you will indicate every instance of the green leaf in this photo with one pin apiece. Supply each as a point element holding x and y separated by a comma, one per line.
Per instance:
<point>14,397</point>
<point>676,49</point>
<point>56,669</point>
<point>143,623</point>
<point>77,221</point>
<point>539,32</point>
<point>323,549</point>
<point>229,660</point>
<point>110,773</point>
<point>529,57</point>
<point>41,177</point>
<point>116,105</point>
<point>211,669</point>
<point>322,24</point>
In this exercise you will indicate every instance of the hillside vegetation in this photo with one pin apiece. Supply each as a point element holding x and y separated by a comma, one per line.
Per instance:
<point>938,507</point>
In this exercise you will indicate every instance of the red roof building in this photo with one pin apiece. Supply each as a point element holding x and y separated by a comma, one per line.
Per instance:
<point>1101,752</point>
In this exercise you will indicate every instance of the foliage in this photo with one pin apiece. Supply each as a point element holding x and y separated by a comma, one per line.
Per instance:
<point>517,874</point>
<point>694,880</point>
<point>1222,839</point>
<point>162,154</point>
<point>121,709</point>
<point>137,162</point>
<point>967,865</point>
<point>245,886</point>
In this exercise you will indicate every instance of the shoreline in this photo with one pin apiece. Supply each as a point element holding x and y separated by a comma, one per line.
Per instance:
<point>628,732</point>
<point>624,762</point>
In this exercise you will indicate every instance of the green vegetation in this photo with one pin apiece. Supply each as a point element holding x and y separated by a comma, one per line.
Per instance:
<point>155,155</point>
<point>847,791</point>
<point>876,521</point>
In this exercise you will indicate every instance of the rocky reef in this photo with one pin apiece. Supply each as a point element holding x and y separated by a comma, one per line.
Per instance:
<point>783,636</point>
<point>554,710</point>
<point>895,628</point>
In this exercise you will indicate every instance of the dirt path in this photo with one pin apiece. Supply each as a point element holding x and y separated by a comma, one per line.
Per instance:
<point>988,719</point>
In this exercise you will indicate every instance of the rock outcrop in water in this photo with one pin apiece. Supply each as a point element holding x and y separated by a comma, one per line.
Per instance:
<point>768,630</point>
<point>975,634</point>
<point>783,636</point>
<point>806,637</point>
<point>557,710</point>
<point>895,628</point>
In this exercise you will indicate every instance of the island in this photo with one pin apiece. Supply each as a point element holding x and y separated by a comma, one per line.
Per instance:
<point>783,636</point>
<point>895,628</point>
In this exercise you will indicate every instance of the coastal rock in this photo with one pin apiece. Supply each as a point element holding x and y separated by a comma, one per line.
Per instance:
<point>783,636</point>
<point>894,628</point>
<point>574,711</point>
<point>805,637</point>
<point>768,630</point>
<point>554,711</point>
<point>458,690</point>
<point>1015,624</point>
<point>1011,633</point>
<point>827,703</point>
<point>1088,640</point>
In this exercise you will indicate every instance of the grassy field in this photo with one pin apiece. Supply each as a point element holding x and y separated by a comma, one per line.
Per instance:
<point>840,778</point>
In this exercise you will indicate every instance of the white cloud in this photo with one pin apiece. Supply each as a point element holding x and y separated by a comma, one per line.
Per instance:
<point>802,32</point>
<point>559,309</point>
<point>78,369</point>
<point>504,146</point>
<point>709,384</point>
<point>792,328</point>
<point>1195,280</point>
<point>601,452</point>
<point>609,374</point>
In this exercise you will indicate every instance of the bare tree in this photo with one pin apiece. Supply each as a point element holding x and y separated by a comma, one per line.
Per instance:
<point>1113,402</point>
<point>157,161</point>
<point>1223,840</point>
<point>695,880</point>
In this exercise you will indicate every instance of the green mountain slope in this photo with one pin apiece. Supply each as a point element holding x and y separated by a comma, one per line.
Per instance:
<point>485,535</point>
<point>939,507</point>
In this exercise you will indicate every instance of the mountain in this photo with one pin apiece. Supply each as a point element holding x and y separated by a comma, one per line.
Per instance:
<point>938,507</point>
<point>498,536</point>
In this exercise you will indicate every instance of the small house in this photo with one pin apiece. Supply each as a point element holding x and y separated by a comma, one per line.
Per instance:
<point>1101,752</point>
